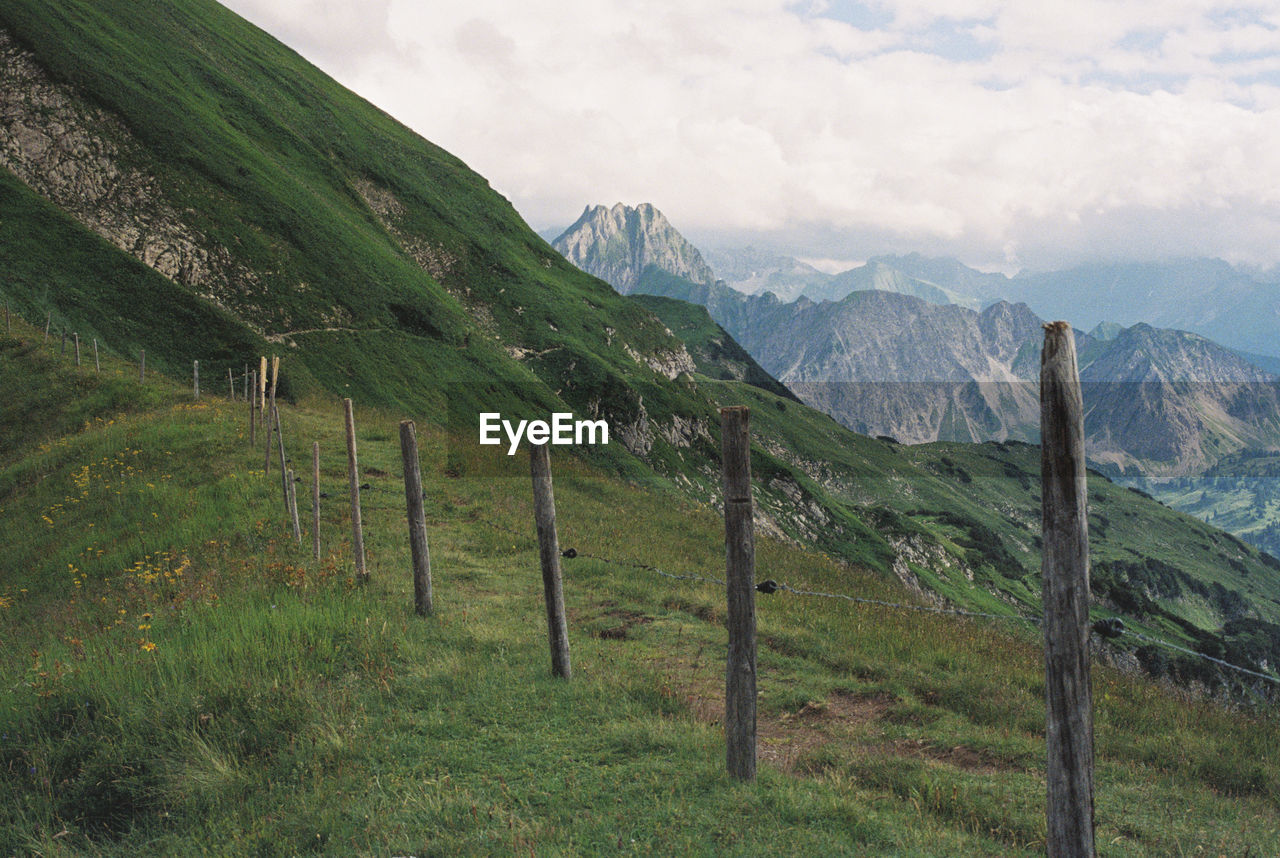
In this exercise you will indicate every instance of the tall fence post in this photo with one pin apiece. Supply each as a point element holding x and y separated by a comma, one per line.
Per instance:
<point>231,384</point>
<point>353,474</point>
<point>195,377</point>
<point>315,498</point>
<point>284,477</point>
<point>1068,698</point>
<point>252,400</point>
<point>740,585</point>
<point>267,427</point>
<point>544,517</point>
<point>416,517</point>
<point>291,495</point>
<point>260,394</point>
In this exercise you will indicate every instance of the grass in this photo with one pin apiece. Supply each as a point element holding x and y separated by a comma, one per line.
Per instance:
<point>182,677</point>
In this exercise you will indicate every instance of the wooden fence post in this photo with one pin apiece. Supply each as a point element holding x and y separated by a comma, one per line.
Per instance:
<point>77,339</point>
<point>195,377</point>
<point>416,517</point>
<point>544,517</point>
<point>142,365</point>
<point>1068,698</point>
<point>266,462</point>
<point>291,496</point>
<point>315,498</point>
<point>740,585</point>
<point>47,320</point>
<point>284,480</point>
<point>260,396</point>
<point>97,366</point>
<point>353,473</point>
<point>231,384</point>
<point>252,400</point>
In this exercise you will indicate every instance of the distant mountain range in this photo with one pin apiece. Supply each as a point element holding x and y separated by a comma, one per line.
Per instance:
<point>897,348</point>
<point>1206,296</point>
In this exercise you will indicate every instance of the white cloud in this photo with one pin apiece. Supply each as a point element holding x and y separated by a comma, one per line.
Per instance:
<point>1139,127</point>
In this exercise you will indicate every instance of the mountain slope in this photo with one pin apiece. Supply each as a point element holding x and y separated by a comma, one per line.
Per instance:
<point>309,219</point>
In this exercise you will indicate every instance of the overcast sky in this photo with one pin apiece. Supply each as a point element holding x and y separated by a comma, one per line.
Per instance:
<point>1007,134</point>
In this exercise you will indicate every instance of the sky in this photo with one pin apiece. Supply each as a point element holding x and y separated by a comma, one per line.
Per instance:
<point>1009,135</point>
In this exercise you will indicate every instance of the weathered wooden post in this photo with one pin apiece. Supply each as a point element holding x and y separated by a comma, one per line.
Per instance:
<point>315,498</point>
<point>252,400</point>
<point>1068,698</point>
<point>353,473</point>
<point>544,517</point>
<point>291,496</point>
<point>77,339</point>
<point>47,320</point>
<point>231,384</point>
<point>261,395</point>
<point>740,584</point>
<point>417,518</point>
<point>195,377</point>
<point>142,365</point>
<point>284,477</point>
<point>97,366</point>
<point>270,416</point>
<point>275,375</point>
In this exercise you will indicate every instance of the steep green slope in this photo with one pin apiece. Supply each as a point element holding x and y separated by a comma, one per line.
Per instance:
<point>187,680</point>
<point>311,218</point>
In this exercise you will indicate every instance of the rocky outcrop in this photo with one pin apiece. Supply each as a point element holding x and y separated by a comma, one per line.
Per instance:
<point>618,244</point>
<point>85,161</point>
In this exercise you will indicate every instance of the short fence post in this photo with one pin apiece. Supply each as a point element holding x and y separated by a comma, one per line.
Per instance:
<point>417,518</point>
<point>142,365</point>
<point>739,540</point>
<point>544,516</point>
<point>315,498</point>
<point>1068,698</point>
<point>77,339</point>
<point>195,377</point>
<point>97,366</point>
<point>353,474</point>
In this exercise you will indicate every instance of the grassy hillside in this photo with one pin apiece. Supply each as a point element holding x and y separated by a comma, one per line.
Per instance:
<point>186,679</point>
<point>292,210</point>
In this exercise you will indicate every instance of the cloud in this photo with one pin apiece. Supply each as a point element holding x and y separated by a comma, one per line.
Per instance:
<point>984,129</point>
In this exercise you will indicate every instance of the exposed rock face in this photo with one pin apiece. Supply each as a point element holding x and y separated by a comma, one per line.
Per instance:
<point>617,245</point>
<point>85,161</point>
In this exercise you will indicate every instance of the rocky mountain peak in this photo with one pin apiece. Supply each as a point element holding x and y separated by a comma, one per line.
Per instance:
<point>617,244</point>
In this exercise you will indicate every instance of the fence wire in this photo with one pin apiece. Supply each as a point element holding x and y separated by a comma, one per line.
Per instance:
<point>770,586</point>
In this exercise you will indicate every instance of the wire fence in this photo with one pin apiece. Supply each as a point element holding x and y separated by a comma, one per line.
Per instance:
<point>1111,628</point>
